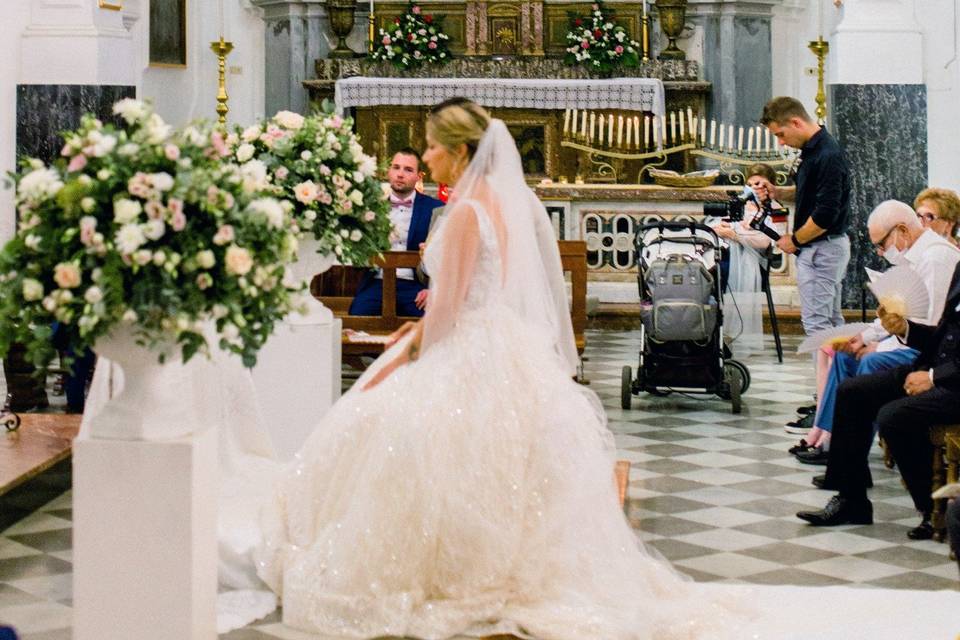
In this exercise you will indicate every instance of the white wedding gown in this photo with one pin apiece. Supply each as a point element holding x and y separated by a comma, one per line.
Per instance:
<point>471,492</point>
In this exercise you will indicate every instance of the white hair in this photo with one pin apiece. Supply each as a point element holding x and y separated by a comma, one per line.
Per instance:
<point>889,214</point>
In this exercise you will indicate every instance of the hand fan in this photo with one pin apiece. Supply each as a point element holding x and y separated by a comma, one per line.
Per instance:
<point>901,291</point>
<point>833,335</point>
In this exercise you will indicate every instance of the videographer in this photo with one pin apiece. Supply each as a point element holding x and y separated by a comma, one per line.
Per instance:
<point>822,212</point>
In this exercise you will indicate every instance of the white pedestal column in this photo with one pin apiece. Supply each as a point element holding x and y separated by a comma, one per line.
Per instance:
<point>298,377</point>
<point>144,538</point>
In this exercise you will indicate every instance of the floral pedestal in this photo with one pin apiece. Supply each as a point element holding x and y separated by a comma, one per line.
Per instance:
<point>297,376</point>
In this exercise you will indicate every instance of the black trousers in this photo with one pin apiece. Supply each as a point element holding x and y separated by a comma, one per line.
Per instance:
<point>904,423</point>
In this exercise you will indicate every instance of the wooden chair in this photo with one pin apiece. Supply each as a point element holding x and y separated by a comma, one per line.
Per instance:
<point>336,287</point>
<point>946,464</point>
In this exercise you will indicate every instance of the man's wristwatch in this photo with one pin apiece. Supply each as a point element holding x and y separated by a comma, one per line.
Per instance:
<point>793,239</point>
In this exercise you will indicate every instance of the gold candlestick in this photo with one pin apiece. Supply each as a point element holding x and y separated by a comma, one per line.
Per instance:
<point>372,30</point>
<point>645,38</point>
<point>222,48</point>
<point>820,48</point>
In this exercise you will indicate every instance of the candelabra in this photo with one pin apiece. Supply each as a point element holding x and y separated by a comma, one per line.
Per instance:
<point>820,48</point>
<point>222,49</point>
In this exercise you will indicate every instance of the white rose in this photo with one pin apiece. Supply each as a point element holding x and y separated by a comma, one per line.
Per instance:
<point>219,311</point>
<point>154,229</point>
<point>159,257</point>
<point>105,145</point>
<point>130,110</point>
<point>50,304</point>
<point>288,119</point>
<point>39,184</point>
<point>129,238</point>
<point>306,155</point>
<point>357,196</point>
<point>206,259</point>
<point>129,149</point>
<point>230,332</point>
<point>162,181</point>
<point>310,215</point>
<point>245,152</point>
<point>125,211</point>
<point>356,235</point>
<point>305,192</point>
<point>32,241</point>
<point>254,176</point>
<point>32,289</point>
<point>238,260</point>
<point>157,130</point>
<point>251,133</point>
<point>93,295</point>
<point>368,166</point>
<point>66,275</point>
<point>270,209</point>
<point>88,204</point>
<point>143,257</point>
<point>104,174</point>
<point>129,316</point>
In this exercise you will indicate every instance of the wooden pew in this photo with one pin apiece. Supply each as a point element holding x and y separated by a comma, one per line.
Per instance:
<point>336,287</point>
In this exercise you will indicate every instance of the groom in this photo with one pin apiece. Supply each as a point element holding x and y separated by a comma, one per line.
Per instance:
<point>411,213</point>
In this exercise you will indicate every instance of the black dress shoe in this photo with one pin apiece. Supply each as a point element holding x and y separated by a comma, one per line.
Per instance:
<point>797,448</point>
<point>807,409</point>
<point>820,482</point>
<point>840,511</point>
<point>815,455</point>
<point>924,531</point>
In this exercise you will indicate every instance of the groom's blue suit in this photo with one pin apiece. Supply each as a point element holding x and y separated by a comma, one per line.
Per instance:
<point>369,297</point>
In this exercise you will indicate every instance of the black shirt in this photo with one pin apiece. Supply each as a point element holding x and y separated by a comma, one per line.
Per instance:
<point>823,185</point>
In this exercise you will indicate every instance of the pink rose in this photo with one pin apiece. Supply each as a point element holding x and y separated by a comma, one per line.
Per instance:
<point>619,49</point>
<point>175,205</point>
<point>369,216</point>
<point>66,275</point>
<point>282,173</point>
<point>347,206</point>
<point>204,281</point>
<point>212,194</point>
<point>584,45</point>
<point>228,200</point>
<point>224,235</point>
<point>77,163</point>
<point>416,9</point>
<point>216,139</point>
<point>154,210</point>
<point>172,152</point>
<point>386,41</point>
<point>178,222</point>
<point>67,151</point>
<point>432,45</point>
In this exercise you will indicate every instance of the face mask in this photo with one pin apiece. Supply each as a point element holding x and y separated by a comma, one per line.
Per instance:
<point>893,256</point>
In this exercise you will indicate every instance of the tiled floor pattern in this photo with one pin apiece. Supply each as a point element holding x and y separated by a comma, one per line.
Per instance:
<point>713,492</point>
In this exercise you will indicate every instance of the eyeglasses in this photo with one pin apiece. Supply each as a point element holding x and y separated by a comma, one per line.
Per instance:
<point>881,245</point>
<point>927,217</point>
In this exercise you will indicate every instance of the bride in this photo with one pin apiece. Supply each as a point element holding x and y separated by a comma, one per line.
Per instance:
<point>465,485</point>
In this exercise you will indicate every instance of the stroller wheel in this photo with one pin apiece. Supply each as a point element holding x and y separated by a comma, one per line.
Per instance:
<point>733,381</point>
<point>626,384</point>
<point>744,373</point>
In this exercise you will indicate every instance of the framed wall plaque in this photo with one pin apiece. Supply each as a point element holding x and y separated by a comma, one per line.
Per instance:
<point>168,33</point>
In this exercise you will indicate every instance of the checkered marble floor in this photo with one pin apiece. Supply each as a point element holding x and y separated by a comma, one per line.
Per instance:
<point>713,492</point>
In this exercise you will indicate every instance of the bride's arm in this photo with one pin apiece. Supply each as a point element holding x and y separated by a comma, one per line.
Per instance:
<point>448,290</point>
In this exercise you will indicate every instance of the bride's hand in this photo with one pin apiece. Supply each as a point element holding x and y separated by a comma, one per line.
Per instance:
<point>408,354</point>
<point>404,329</point>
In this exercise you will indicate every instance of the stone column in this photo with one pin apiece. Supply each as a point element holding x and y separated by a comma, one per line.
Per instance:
<point>297,35</point>
<point>877,109</point>
<point>736,55</point>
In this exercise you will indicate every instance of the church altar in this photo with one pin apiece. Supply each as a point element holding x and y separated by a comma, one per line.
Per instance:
<point>633,94</point>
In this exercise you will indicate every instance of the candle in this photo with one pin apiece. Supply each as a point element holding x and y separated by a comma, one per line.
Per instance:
<point>610,129</point>
<point>691,123</point>
<point>683,133</point>
<point>663,130</point>
<point>629,131</point>
<point>646,132</point>
<point>619,130</point>
<point>713,133</point>
<point>220,16</point>
<point>583,125</point>
<point>750,141</point>
<point>766,137</point>
<point>673,127</point>
<point>593,124</point>
<point>703,132</point>
<point>600,133</point>
<point>820,18</point>
<point>740,140</point>
<point>636,131</point>
<point>730,137</point>
<point>566,120</point>
<point>721,136</point>
<point>644,8</point>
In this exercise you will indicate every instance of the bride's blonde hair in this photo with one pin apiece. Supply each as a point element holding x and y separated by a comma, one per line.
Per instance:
<point>458,121</point>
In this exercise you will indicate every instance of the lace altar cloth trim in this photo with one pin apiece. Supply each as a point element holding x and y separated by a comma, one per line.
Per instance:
<point>637,94</point>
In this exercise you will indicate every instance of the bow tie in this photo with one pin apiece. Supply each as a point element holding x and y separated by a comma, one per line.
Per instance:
<point>397,202</point>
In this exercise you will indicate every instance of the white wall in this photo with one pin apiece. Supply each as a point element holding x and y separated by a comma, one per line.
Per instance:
<point>16,15</point>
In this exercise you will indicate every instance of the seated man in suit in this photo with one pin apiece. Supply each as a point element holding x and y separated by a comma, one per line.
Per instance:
<point>904,402</point>
<point>410,213</point>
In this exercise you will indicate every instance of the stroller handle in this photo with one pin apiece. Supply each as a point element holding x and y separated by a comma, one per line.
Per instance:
<point>691,226</point>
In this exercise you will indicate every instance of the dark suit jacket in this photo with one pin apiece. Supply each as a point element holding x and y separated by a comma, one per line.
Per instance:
<point>939,346</point>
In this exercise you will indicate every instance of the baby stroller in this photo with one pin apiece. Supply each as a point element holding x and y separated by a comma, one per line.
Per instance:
<point>681,334</point>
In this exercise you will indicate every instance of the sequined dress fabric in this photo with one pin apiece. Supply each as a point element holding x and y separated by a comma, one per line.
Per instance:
<point>470,493</point>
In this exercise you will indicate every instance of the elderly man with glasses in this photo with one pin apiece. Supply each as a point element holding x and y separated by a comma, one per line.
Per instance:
<point>919,388</point>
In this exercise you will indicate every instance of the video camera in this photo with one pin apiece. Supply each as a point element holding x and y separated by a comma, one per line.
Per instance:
<point>732,211</point>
